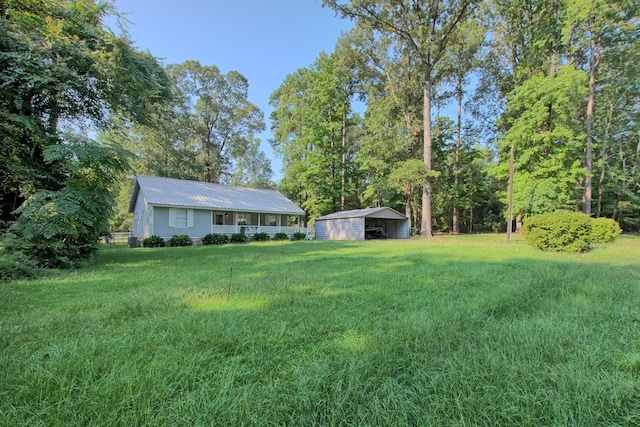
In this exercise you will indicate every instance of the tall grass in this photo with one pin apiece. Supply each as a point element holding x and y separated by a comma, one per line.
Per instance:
<point>458,331</point>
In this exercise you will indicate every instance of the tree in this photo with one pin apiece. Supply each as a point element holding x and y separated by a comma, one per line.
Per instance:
<point>59,228</point>
<point>461,59</point>
<point>544,126</point>
<point>594,31</point>
<point>219,117</point>
<point>311,123</point>
<point>391,128</point>
<point>425,29</point>
<point>62,73</point>
<point>253,169</point>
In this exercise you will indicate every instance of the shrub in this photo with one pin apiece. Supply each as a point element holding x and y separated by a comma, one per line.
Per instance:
<point>18,266</point>
<point>604,230</point>
<point>180,240</point>
<point>298,236</point>
<point>261,237</point>
<point>215,239</point>
<point>238,238</point>
<point>153,242</point>
<point>560,231</point>
<point>281,236</point>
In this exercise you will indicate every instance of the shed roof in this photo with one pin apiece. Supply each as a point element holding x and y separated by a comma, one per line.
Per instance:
<point>206,195</point>
<point>384,212</point>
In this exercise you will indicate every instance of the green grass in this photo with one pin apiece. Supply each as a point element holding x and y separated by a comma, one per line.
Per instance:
<point>458,331</point>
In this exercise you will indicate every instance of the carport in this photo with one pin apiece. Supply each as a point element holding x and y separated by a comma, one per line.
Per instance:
<point>360,224</point>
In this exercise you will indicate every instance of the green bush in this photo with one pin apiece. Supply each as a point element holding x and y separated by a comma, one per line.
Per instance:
<point>604,230</point>
<point>559,231</point>
<point>238,238</point>
<point>281,236</point>
<point>261,237</point>
<point>180,240</point>
<point>153,242</point>
<point>18,266</point>
<point>215,239</point>
<point>298,236</point>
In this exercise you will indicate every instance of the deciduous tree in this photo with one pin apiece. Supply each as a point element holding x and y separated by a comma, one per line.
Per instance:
<point>63,74</point>
<point>424,28</point>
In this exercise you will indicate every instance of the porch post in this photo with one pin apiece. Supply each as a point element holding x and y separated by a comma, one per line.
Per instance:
<point>235,222</point>
<point>259,221</point>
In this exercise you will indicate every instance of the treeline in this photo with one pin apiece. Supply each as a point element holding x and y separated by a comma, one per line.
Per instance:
<point>420,104</point>
<point>419,107</point>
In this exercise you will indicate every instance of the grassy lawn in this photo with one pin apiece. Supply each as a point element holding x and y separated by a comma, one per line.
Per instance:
<point>458,331</point>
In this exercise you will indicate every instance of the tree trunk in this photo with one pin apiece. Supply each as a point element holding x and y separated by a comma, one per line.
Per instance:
<point>408,209</point>
<point>601,184</point>
<point>456,165</point>
<point>586,200</point>
<point>470,201</point>
<point>344,159</point>
<point>510,207</point>
<point>425,229</point>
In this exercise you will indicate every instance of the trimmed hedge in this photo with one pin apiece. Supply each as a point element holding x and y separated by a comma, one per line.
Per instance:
<point>560,231</point>
<point>604,230</point>
<point>153,242</point>
<point>281,236</point>
<point>215,239</point>
<point>181,240</point>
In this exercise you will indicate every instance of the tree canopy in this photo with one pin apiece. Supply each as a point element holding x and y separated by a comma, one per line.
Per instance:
<point>63,76</point>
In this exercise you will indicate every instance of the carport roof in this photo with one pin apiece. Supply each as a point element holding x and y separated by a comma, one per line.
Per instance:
<point>384,212</point>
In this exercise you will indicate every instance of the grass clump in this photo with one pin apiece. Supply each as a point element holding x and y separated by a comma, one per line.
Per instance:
<point>462,330</point>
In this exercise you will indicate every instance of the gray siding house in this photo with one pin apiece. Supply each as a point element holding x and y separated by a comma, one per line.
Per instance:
<point>167,207</point>
<point>360,224</point>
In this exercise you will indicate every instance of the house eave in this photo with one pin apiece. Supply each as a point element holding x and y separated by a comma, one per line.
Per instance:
<point>225,209</point>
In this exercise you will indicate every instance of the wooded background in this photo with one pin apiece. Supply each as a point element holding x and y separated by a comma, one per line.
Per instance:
<point>417,108</point>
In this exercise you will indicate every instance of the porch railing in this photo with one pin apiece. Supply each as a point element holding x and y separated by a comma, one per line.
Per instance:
<point>250,230</point>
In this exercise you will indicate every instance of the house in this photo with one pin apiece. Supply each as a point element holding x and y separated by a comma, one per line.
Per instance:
<point>360,224</point>
<point>166,207</point>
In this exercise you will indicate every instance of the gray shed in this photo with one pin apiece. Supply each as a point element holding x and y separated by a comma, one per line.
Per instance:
<point>360,224</point>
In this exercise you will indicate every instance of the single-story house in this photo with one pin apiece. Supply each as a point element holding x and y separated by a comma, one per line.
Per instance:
<point>360,224</point>
<point>167,207</point>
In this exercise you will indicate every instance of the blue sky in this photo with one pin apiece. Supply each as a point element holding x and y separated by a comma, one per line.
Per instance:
<point>264,40</point>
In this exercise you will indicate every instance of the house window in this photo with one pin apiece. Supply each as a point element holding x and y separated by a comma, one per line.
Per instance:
<point>242,219</point>
<point>180,218</point>
<point>219,219</point>
<point>271,220</point>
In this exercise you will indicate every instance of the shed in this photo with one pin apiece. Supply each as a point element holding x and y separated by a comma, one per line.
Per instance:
<point>360,224</point>
<point>166,207</point>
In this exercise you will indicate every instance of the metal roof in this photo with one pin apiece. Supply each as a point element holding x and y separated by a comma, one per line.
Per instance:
<point>384,212</point>
<point>206,195</point>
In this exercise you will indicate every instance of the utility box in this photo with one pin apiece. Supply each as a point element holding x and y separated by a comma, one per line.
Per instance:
<point>133,242</point>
